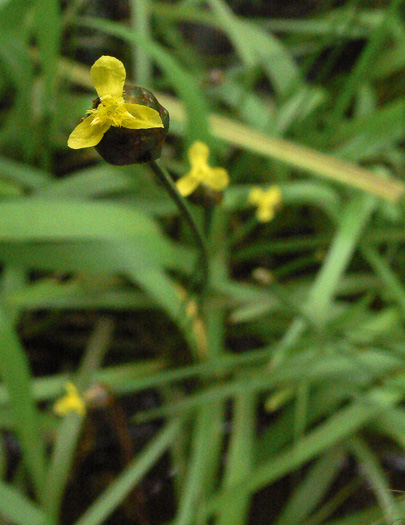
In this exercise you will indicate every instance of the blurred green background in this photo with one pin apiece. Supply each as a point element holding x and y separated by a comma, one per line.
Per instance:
<point>275,397</point>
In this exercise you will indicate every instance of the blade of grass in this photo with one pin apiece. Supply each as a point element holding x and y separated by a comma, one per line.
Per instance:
<point>312,489</point>
<point>275,59</point>
<point>376,478</point>
<point>363,65</point>
<point>89,183</point>
<point>354,218</point>
<point>69,429</point>
<point>12,280</point>
<point>296,155</point>
<point>334,503</point>
<point>118,377</point>
<point>254,44</point>
<point>305,158</point>
<point>239,461</point>
<point>192,495</point>
<point>22,174</point>
<point>341,367</point>
<point>341,424</point>
<point>48,25</point>
<point>18,509</point>
<point>122,486</point>
<point>168,295</point>
<point>53,294</point>
<point>372,135</point>
<point>391,281</point>
<point>30,220</point>
<point>19,68</point>
<point>14,371</point>
<point>235,31</point>
<point>140,20</point>
<point>110,258</point>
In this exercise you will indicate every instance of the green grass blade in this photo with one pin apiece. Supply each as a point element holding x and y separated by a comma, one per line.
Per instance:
<point>275,59</point>
<point>240,458</point>
<point>122,486</point>
<point>18,509</point>
<point>47,220</point>
<point>341,424</point>
<point>312,489</point>
<point>48,26</point>
<point>235,31</point>
<point>389,278</point>
<point>23,175</point>
<point>69,429</point>
<point>376,478</point>
<point>364,65</point>
<point>354,218</point>
<point>140,21</point>
<point>14,371</point>
<point>194,482</point>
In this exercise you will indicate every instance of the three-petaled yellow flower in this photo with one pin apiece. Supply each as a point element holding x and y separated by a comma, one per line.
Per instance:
<point>108,75</point>
<point>266,201</point>
<point>72,401</point>
<point>201,172</point>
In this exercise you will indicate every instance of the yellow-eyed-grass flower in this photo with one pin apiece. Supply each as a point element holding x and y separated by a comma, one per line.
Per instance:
<point>201,172</point>
<point>72,401</point>
<point>267,202</point>
<point>125,130</point>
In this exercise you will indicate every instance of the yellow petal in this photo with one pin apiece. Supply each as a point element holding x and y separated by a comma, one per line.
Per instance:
<point>265,213</point>
<point>198,153</point>
<point>85,135</point>
<point>108,75</point>
<point>187,185</point>
<point>141,117</point>
<point>274,195</point>
<point>255,195</point>
<point>70,402</point>
<point>218,179</point>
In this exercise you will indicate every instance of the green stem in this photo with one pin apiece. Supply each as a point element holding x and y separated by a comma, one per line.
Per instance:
<point>185,211</point>
<point>246,228</point>
<point>140,21</point>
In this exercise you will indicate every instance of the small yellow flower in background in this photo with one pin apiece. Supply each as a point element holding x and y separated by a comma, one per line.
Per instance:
<point>266,201</point>
<point>108,75</point>
<point>72,401</point>
<point>201,172</point>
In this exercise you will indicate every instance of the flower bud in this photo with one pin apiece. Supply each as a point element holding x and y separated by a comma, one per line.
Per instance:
<point>122,146</point>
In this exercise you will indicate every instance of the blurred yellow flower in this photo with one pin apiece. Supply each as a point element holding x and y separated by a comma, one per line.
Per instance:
<point>201,173</point>
<point>108,75</point>
<point>266,201</point>
<point>72,401</point>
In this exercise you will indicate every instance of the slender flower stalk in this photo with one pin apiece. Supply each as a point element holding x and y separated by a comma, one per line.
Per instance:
<point>185,211</point>
<point>126,132</point>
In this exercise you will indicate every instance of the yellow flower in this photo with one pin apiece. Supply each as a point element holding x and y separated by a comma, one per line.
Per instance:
<point>201,173</point>
<point>108,75</point>
<point>72,401</point>
<point>266,201</point>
